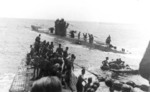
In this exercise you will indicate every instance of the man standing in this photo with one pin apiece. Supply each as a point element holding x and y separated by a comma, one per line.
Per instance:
<point>59,50</point>
<point>80,80</point>
<point>79,35</point>
<point>108,40</point>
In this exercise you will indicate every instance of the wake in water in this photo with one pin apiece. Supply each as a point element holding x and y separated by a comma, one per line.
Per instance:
<point>5,81</point>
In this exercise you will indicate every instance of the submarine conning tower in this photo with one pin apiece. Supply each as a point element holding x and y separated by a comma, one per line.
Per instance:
<point>61,27</point>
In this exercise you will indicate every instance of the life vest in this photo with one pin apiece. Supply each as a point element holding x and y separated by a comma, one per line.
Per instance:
<point>126,88</point>
<point>117,85</point>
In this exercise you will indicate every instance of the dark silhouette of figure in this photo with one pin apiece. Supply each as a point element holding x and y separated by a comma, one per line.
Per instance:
<point>88,84</point>
<point>79,35</point>
<point>51,30</point>
<point>72,32</point>
<point>108,40</point>
<point>80,80</point>
<point>65,53</point>
<point>59,50</point>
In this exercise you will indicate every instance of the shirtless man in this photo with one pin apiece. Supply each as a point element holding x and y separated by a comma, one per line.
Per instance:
<point>80,80</point>
<point>59,50</point>
<point>105,62</point>
<point>65,53</point>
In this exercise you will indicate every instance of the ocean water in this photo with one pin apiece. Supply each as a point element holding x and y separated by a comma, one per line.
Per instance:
<point>16,37</point>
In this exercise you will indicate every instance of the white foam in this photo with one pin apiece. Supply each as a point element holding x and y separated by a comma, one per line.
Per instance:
<point>5,81</point>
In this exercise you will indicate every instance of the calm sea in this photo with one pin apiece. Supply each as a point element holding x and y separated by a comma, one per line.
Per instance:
<point>16,37</point>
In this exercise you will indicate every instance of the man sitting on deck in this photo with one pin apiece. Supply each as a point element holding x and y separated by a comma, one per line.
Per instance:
<point>105,62</point>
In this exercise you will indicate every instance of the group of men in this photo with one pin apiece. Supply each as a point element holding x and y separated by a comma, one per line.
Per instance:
<point>91,38</point>
<point>85,36</point>
<point>47,62</point>
<point>117,64</point>
<point>61,27</point>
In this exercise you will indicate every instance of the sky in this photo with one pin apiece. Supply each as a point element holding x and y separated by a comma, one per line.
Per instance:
<point>118,11</point>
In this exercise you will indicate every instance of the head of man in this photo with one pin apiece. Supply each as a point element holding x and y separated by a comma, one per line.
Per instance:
<point>59,45</point>
<point>47,84</point>
<point>83,71</point>
<point>94,87</point>
<point>67,48</point>
<point>89,80</point>
<point>73,56</point>
<point>30,46</point>
<point>107,58</point>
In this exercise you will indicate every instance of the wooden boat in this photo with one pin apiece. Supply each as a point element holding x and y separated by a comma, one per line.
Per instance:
<point>22,82</point>
<point>117,67</point>
<point>105,68</point>
<point>125,71</point>
<point>96,45</point>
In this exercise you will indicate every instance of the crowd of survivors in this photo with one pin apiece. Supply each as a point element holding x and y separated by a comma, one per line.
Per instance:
<point>53,70</point>
<point>47,62</point>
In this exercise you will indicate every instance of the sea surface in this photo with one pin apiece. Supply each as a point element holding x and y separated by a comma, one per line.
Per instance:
<point>16,37</point>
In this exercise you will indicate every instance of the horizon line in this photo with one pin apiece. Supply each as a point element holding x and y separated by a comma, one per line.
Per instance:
<point>68,20</point>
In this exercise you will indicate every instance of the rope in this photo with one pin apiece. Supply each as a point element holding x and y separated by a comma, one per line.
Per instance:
<point>86,70</point>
